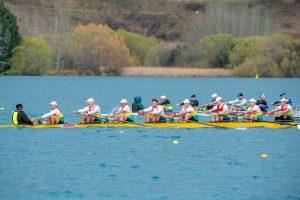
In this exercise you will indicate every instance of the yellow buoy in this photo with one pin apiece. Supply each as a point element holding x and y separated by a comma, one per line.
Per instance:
<point>256,77</point>
<point>175,142</point>
<point>263,155</point>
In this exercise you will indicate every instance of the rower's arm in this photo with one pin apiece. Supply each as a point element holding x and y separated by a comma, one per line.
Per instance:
<point>45,116</point>
<point>213,109</point>
<point>83,110</point>
<point>233,102</point>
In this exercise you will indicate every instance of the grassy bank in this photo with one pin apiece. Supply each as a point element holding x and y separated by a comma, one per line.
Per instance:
<point>175,72</point>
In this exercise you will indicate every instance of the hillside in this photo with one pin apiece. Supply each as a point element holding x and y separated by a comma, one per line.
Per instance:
<point>99,37</point>
<point>164,19</point>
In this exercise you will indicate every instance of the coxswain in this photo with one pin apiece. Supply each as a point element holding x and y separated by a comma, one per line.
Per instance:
<point>19,117</point>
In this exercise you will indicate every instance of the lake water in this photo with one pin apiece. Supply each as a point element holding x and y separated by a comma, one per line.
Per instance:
<point>101,163</point>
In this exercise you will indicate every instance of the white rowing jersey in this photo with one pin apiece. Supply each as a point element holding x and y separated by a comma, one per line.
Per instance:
<point>189,109</point>
<point>52,112</point>
<point>159,110</point>
<point>125,109</point>
<point>95,110</point>
<point>254,108</point>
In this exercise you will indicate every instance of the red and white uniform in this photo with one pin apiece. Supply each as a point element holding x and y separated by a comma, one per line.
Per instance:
<point>220,108</point>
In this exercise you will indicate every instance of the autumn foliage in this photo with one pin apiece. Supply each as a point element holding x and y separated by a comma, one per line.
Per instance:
<point>97,49</point>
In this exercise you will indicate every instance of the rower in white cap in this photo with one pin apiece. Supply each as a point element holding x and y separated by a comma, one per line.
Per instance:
<point>253,113</point>
<point>55,116</point>
<point>90,113</point>
<point>283,112</point>
<point>220,111</point>
<point>187,113</point>
<point>124,113</point>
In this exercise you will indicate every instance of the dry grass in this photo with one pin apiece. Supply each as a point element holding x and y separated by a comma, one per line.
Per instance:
<point>175,72</point>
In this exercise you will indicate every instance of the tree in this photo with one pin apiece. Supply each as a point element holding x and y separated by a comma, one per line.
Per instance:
<point>143,49</point>
<point>97,49</point>
<point>214,50</point>
<point>32,57</point>
<point>9,35</point>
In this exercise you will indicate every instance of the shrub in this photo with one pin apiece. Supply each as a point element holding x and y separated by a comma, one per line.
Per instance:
<point>143,49</point>
<point>97,49</point>
<point>32,57</point>
<point>278,53</point>
<point>214,50</point>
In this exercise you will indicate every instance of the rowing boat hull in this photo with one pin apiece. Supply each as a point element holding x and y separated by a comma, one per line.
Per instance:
<point>195,125</point>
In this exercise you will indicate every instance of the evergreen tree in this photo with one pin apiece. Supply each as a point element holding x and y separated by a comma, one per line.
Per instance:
<point>9,35</point>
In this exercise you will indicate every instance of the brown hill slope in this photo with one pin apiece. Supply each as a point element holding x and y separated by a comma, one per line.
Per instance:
<point>165,19</point>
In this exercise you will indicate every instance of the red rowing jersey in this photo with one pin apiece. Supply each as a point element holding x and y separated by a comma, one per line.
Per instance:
<point>220,108</point>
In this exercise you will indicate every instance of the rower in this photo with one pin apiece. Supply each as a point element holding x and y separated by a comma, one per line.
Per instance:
<point>137,105</point>
<point>124,113</point>
<point>187,113</point>
<point>283,96</point>
<point>283,112</point>
<point>239,104</point>
<point>212,102</point>
<point>90,113</point>
<point>220,111</point>
<point>168,108</point>
<point>193,102</point>
<point>19,117</point>
<point>253,113</point>
<point>262,103</point>
<point>154,113</point>
<point>55,116</point>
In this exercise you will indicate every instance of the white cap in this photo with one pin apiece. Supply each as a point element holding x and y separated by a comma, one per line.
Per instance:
<point>284,99</point>
<point>252,100</point>
<point>124,101</point>
<point>214,95</point>
<point>53,103</point>
<point>163,97</point>
<point>90,100</point>
<point>219,99</point>
<point>186,101</point>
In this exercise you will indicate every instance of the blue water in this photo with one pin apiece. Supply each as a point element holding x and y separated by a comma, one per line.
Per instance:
<point>101,163</point>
